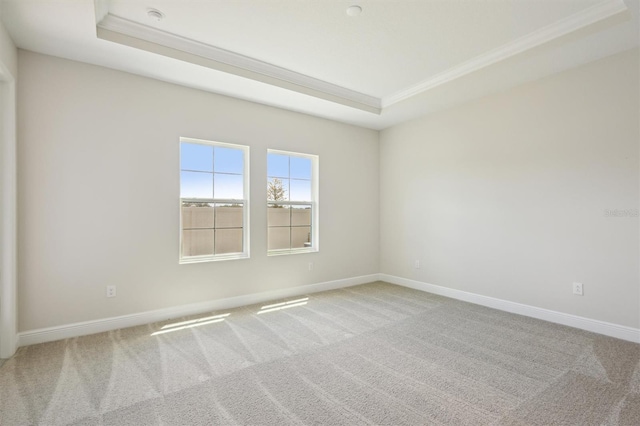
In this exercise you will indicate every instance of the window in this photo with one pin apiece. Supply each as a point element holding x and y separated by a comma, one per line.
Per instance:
<point>214,207</point>
<point>292,202</point>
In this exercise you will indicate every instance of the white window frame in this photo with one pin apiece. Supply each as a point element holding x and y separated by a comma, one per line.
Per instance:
<point>315,208</point>
<point>245,202</point>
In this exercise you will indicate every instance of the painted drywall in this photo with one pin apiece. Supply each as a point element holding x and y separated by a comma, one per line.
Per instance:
<point>8,52</point>
<point>98,193</point>
<point>8,74</point>
<point>520,194</point>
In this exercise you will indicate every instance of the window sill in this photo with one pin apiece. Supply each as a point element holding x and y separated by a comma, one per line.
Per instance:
<point>292,251</point>
<point>202,259</point>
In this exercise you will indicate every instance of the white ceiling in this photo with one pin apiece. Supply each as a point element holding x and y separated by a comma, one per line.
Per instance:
<point>394,62</point>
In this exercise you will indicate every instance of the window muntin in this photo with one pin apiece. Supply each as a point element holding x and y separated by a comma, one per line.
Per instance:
<point>214,208</point>
<point>292,202</point>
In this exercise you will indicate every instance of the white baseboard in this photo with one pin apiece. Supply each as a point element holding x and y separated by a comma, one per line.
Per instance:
<point>98,326</point>
<point>601,327</point>
<point>50,334</point>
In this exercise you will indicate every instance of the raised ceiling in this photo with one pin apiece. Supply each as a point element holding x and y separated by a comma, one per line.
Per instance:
<point>395,61</point>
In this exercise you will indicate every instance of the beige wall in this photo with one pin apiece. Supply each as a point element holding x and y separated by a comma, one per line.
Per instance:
<point>8,76</point>
<point>507,196</point>
<point>8,52</point>
<point>107,142</point>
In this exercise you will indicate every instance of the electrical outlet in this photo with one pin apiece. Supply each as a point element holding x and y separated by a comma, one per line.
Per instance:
<point>416,264</point>
<point>311,266</point>
<point>577,289</point>
<point>111,291</point>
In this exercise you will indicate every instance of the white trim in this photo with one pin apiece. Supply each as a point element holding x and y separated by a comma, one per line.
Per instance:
<point>8,216</point>
<point>591,15</point>
<point>285,252</point>
<point>42,335</point>
<point>123,31</point>
<point>113,28</point>
<point>246,225</point>
<point>601,327</point>
<point>315,203</point>
<point>98,326</point>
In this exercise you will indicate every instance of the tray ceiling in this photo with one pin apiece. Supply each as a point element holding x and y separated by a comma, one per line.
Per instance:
<point>393,62</point>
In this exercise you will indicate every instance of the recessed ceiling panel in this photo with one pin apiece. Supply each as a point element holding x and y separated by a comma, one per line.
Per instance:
<point>397,60</point>
<point>391,45</point>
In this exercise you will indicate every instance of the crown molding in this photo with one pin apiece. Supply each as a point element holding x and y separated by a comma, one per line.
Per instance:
<point>123,31</point>
<point>591,15</point>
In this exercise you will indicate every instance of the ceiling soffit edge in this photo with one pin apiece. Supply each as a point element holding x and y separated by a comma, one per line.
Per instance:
<point>591,15</point>
<point>123,31</point>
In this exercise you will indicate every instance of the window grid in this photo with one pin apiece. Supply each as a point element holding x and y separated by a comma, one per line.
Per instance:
<point>215,205</point>
<point>300,231</point>
<point>214,239</point>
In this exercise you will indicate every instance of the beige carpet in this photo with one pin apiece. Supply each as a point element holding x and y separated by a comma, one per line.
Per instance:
<point>371,354</point>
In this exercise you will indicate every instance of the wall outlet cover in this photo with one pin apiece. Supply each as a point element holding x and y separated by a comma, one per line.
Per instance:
<point>577,289</point>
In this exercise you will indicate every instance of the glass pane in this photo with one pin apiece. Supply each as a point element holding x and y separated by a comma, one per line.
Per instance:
<point>301,216</point>
<point>228,241</point>
<point>197,215</point>
<point>278,165</point>
<point>300,168</point>
<point>278,215</point>
<point>196,185</point>
<point>229,187</point>
<point>196,157</point>
<point>197,242</point>
<point>228,160</point>
<point>278,238</point>
<point>277,189</point>
<point>228,216</point>
<point>301,237</point>
<point>300,190</point>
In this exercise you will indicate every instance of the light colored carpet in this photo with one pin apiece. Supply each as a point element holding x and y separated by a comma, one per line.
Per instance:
<point>371,354</point>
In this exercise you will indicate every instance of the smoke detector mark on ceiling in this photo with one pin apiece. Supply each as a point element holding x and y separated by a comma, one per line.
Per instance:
<point>155,15</point>
<point>354,10</point>
<point>180,43</point>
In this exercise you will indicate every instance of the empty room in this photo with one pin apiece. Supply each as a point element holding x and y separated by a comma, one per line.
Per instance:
<point>320,212</point>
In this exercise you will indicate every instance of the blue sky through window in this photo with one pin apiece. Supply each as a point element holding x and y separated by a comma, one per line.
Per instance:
<point>196,185</point>
<point>196,157</point>
<point>227,186</point>
<point>278,165</point>
<point>211,172</point>
<point>294,173</point>
<point>300,168</point>
<point>228,160</point>
<point>300,190</point>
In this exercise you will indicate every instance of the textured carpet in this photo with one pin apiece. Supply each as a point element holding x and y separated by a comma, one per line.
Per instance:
<point>371,354</point>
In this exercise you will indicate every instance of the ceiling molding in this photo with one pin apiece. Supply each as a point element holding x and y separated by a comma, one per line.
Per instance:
<point>126,32</point>
<point>119,30</point>
<point>591,15</point>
